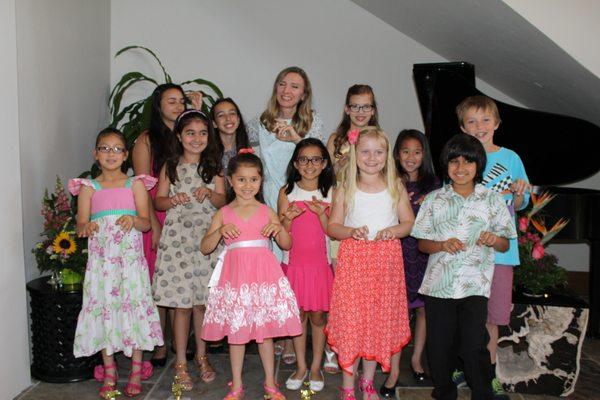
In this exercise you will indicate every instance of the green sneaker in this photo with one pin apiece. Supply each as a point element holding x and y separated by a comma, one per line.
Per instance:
<point>458,377</point>
<point>498,390</point>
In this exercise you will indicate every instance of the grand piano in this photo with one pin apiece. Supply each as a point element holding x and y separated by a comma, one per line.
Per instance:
<point>539,138</point>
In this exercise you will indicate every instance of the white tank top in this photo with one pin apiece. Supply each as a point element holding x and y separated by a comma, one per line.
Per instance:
<point>375,210</point>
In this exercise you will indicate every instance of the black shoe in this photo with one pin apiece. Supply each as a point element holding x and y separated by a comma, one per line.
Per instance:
<point>420,377</point>
<point>389,393</point>
<point>158,362</point>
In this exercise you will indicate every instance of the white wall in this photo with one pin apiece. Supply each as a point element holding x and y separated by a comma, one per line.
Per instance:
<point>64,72</point>
<point>14,370</point>
<point>241,46</point>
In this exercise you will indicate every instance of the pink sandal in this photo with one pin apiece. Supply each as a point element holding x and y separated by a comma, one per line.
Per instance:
<point>273,393</point>
<point>366,386</point>
<point>107,390</point>
<point>237,394</point>
<point>347,393</point>
<point>145,372</point>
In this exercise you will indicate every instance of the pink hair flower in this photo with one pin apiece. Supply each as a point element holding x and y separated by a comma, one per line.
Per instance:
<point>353,136</point>
<point>247,150</point>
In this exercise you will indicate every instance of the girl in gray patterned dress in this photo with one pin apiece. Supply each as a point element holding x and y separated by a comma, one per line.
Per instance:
<point>191,189</point>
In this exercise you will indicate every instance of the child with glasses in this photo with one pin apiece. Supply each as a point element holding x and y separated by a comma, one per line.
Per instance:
<point>360,111</point>
<point>117,313</point>
<point>303,209</point>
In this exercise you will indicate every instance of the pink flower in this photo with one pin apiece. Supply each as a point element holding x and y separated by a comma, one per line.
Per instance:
<point>353,136</point>
<point>523,224</point>
<point>538,251</point>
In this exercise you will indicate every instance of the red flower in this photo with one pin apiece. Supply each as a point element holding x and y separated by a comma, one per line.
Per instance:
<point>353,136</point>
<point>523,224</point>
<point>538,251</point>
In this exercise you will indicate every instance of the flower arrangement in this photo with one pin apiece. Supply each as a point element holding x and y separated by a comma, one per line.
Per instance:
<point>539,271</point>
<point>60,251</point>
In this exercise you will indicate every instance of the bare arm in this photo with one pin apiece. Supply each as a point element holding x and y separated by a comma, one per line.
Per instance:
<point>336,228</point>
<point>141,158</point>
<point>276,230</point>
<point>217,198</point>
<point>213,236</point>
<point>140,195</point>
<point>85,228</point>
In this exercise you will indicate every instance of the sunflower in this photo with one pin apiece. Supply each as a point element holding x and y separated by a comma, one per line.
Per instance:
<point>63,243</point>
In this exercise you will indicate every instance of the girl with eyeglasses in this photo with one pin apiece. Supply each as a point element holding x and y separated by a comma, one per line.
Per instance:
<point>303,206</point>
<point>360,111</point>
<point>190,189</point>
<point>117,313</point>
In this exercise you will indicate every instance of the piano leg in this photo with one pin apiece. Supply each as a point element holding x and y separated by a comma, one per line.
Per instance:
<point>594,289</point>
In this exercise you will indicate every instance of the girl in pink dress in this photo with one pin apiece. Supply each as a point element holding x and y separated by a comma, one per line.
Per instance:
<point>117,313</point>
<point>250,298</point>
<point>303,209</point>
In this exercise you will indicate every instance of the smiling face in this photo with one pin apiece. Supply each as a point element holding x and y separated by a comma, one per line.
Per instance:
<point>371,155</point>
<point>481,124</point>
<point>305,163</point>
<point>410,156</point>
<point>245,182</point>
<point>110,160</point>
<point>360,118</point>
<point>172,103</point>
<point>194,137</point>
<point>290,90</point>
<point>462,173</point>
<point>227,119</point>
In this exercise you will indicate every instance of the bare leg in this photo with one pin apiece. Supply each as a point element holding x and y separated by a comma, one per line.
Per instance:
<point>267,356</point>
<point>368,373</point>
<point>493,343</point>
<point>160,352</point>
<point>109,361</point>
<point>136,379</point>
<point>392,378</point>
<point>236,358</point>
<point>317,322</point>
<point>181,332</point>
<point>300,348</point>
<point>198,316</point>
<point>419,340</point>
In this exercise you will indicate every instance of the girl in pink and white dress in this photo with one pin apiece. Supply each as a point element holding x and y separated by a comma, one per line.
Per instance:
<point>117,313</point>
<point>250,298</point>
<point>303,209</point>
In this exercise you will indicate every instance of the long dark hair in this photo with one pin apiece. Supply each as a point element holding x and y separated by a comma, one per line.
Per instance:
<point>341,131</point>
<point>245,160</point>
<point>210,160</point>
<point>326,178</point>
<point>426,179</point>
<point>241,135</point>
<point>161,137</point>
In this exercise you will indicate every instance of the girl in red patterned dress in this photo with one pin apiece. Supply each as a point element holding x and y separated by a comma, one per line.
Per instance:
<point>368,316</point>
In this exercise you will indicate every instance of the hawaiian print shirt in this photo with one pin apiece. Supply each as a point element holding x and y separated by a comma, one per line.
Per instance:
<point>445,214</point>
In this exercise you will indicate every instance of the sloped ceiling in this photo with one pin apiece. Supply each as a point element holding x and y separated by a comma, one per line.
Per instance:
<point>508,52</point>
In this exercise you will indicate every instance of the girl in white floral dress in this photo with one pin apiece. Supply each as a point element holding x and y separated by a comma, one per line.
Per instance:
<point>117,313</point>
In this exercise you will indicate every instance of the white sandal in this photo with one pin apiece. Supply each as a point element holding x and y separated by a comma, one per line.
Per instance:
<point>295,384</point>
<point>317,386</point>
<point>330,365</point>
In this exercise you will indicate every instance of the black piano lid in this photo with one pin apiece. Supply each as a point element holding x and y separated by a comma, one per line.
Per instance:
<point>555,149</point>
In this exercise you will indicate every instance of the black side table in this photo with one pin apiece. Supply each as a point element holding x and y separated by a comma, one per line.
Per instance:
<point>54,315</point>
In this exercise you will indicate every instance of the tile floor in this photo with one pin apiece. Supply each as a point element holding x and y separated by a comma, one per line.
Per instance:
<point>158,387</point>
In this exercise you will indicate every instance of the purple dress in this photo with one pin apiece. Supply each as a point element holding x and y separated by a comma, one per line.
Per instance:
<point>415,262</point>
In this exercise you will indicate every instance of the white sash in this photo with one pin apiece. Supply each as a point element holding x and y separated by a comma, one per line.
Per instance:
<point>214,278</point>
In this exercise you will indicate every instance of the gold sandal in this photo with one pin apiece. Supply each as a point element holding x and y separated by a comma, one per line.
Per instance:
<point>207,373</point>
<point>182,377</point>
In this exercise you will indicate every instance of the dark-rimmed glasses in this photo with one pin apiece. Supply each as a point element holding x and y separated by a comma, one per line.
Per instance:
<point>316,160</point>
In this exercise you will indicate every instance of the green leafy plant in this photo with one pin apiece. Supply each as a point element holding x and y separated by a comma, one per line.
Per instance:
<point>133,118</point>
<point>539,272</point>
